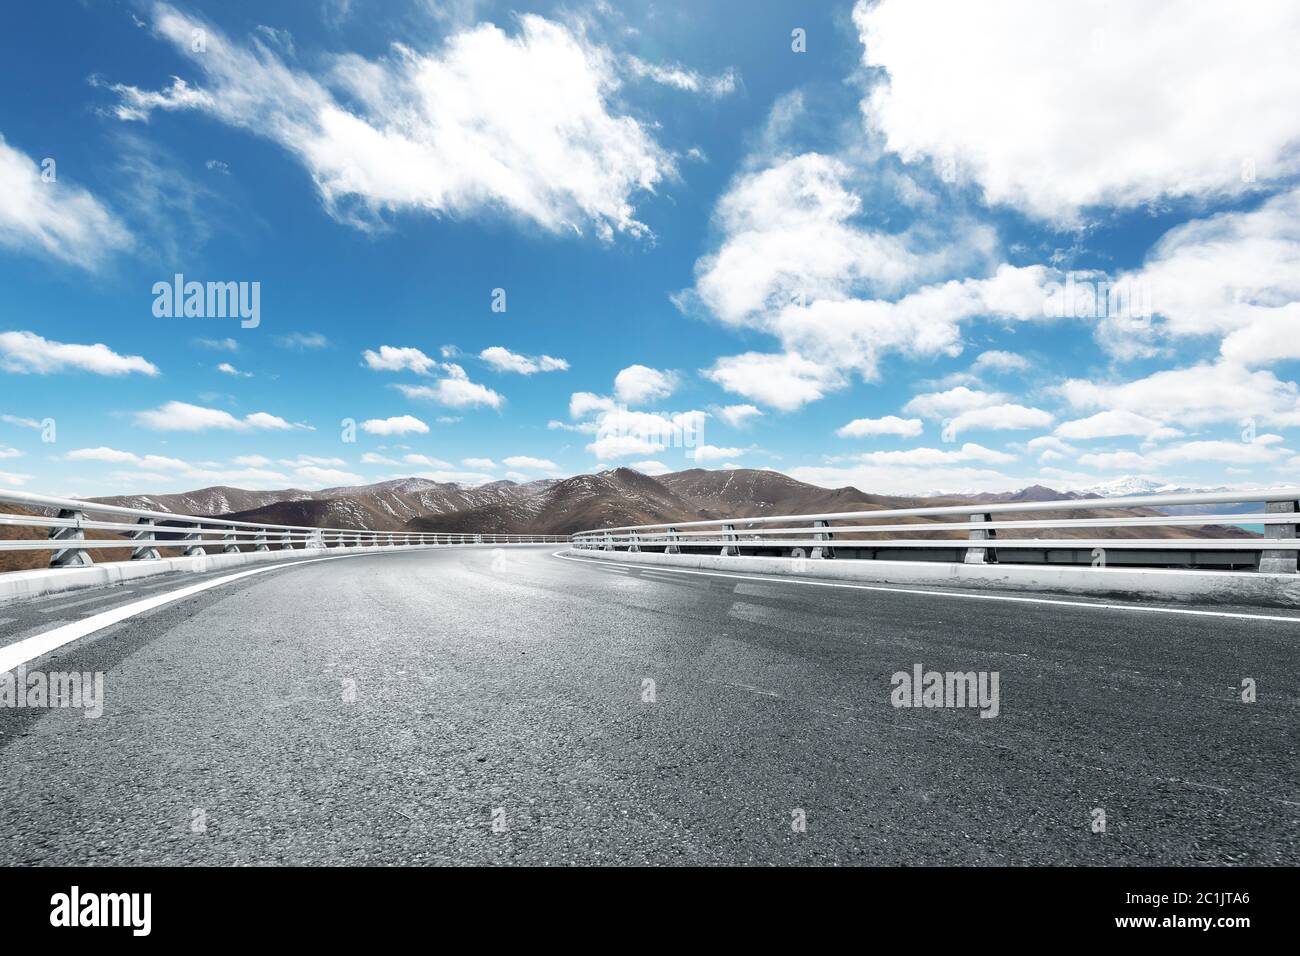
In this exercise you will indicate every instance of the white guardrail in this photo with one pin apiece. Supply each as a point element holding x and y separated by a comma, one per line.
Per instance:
<point>825,535</point>
<point>147,531</point>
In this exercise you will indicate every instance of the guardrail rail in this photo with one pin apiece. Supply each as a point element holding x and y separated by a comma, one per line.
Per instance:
<point>858,535</point>
<point>147,531</point>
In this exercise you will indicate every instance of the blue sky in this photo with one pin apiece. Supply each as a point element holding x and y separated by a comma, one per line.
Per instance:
<point>857,243</point>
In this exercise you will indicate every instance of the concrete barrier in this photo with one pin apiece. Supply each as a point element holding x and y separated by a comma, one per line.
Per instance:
<point>1145,584</point>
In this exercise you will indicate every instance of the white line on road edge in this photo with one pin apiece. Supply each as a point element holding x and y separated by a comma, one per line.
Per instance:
<point>775,579</point>
<point>31,648</point>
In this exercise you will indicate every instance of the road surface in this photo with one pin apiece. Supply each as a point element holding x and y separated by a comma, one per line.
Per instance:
<point>481,706</point>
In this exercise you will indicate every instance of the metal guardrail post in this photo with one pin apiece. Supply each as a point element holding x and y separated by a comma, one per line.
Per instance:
<point>634,542</point>
<point>146,552</point>
<point>69,557</point>
<point>729,534</point>
<point>232,542</point>
<point>981,555</point>
<point>823,552</point>
<point>194,550</point>
<point>609,542</point>
<point>672,542</point>
<point>1275,561</point>
<point>259,541</point>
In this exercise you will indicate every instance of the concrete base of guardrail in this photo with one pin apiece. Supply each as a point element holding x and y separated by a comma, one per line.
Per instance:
<point>16,586</point>
<point>1214,587</point>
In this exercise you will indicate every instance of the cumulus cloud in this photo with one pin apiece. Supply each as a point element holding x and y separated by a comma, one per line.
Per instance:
<point>524,462</point>
<point>29,353</point>
<point>954,401</point>
<point>54,218</point>
<point>157,469</point>
<point>1115,424</point>
<point>397,425</point>
<point>739,416</point>
<point>638,384</point>
<point>523,123</point>
<point>784,381</point>
<point>651,468</point>
<point>455,390</point>
<point>183,417</point>
<point>1092,104</point>
<point>1005,417</point>
<point>503,360</point>
<point>704,453</point>
<point>889,425</point>
<point>393,359</point>
<point>1206,393</point>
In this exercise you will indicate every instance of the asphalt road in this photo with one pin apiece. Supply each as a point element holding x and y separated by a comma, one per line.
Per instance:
<point>479,706</point>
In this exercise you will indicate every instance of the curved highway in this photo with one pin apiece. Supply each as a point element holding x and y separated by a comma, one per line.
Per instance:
<point>514,706</point>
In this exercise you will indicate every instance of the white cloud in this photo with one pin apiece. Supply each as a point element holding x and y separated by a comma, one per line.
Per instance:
<point>788,234</point>
<point>1233,276</point>
<point>7,452</point>
<point>954,401</point>
<point>102,453</point>
<point>503,360</point>
<point>53,218</point>
<point>27,352</point>
<point>582,404</point>
<point>229,369</point>
<point>638,384</point>
<point>1094,106</point>
<point>456,390</point>
<point>1195,453</point>
<point>326,477</point>
<point>652,468</point>
<point>393,359</point>
<point>889,425</point>
<point>996,361</point>
<point>683,78</point>
<point>372,458</point>
<point>482,464</point>
<point>1115,424</point>
<point>520,123</point>
<point>531,464</point>
<point>14,478</point>
<point>925,457</point>
<point>159,468</point>
<point>784,381</point>
<point>738,416</point>
<point>138,104</point>
<point>302,341</point>
<point>1197,395</point>
<point>622,433</point>
<point>705,453</point>
<point>426,462</point>
<point>218,345</point>
<point>622,446</point>
<point>19,421</point>
<point>397,425</point>
<point>1005,417</point>
<point>183,417</point>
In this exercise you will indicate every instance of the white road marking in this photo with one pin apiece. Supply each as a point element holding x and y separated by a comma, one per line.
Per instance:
<point>31,648</point>
<point>1058,602</point>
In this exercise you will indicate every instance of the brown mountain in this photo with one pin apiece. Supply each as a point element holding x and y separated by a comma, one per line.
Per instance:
<point>612,498</point>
